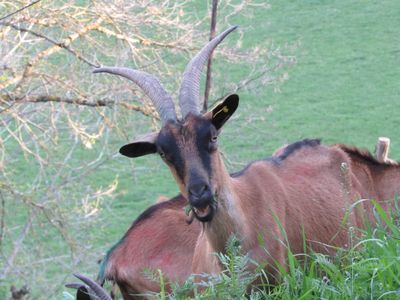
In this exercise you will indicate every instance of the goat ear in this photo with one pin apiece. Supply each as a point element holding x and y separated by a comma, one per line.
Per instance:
<point>82,292</point>
<point>143,146</point>
<point>224,110</point>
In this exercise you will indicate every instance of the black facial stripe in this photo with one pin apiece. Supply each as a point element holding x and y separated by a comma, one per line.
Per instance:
<point>203,138</point>
<point>167,144</point>
<point>178,164</point>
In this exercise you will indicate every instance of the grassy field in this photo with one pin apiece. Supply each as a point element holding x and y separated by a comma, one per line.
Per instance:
<point>345,85</point>
<point>344,88</point>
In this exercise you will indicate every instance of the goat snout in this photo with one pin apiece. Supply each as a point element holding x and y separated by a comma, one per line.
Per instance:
<point>198,189</point>
<point>200,195</point>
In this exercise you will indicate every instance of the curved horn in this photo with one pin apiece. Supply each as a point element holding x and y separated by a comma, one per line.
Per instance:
<point>97,289</point>
<point>151,86</point>
<point>189,92</point>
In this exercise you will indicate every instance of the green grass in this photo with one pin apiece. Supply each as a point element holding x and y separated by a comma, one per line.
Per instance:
<point>368,269</point>
<point>344,88</point>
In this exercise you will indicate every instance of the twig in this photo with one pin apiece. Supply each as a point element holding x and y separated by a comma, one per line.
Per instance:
<point>59,44</point>
<point>44,53</point>
<point>17,246</point>
<point>19,10</point>
<point>244,83</point>
<point>209,64</point>
<point>2,215</point>
<point>78,101</point>
<point>141,40</point>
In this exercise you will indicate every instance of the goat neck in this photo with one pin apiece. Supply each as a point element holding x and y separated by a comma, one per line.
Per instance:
<point>228,217</point>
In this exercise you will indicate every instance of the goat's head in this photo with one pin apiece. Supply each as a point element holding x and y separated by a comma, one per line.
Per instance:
<point>188,144</point>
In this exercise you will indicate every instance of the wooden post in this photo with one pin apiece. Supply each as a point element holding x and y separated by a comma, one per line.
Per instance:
<point>382,150</point>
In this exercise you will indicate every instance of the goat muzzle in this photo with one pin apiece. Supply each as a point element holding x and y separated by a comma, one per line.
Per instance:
<point>204,211</point>
<point>205,214</point>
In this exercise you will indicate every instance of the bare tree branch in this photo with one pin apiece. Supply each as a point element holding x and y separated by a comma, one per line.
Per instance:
<point>66,42</point>
<point>19,10</point>
<point>145,110</point>
<point>58,44</point>
<point>2,214</point>
<point>59,123</point>
<point>17,246</point>
<point>209,63</point>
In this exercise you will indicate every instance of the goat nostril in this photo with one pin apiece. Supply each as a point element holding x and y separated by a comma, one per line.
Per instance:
<point>203,189</point>
<point>198,190</point>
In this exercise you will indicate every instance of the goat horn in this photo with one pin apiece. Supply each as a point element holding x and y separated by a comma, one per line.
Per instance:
<point>151,87</point>
<point>189,92</point>
<point>97,289</point>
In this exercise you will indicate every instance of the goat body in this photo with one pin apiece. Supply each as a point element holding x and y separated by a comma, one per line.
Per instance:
<point>377,180</point>
<point>280,200</point>
<point>159,239</point>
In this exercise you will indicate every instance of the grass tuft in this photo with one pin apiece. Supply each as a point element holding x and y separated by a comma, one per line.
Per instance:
<point>369,269</point>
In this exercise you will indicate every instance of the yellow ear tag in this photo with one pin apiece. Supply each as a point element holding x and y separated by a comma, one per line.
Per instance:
<point>225,109</point>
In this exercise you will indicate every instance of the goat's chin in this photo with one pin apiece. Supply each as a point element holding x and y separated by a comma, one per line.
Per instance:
<point>205,214</point>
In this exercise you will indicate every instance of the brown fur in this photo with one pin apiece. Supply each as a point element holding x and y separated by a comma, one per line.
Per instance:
<point>162,199</point>
<point>153,243</point>
<point>308,189</point>
<point>311,190</point>
<point>304,192</point>
<point>169,221</point>
<point>378,180</point>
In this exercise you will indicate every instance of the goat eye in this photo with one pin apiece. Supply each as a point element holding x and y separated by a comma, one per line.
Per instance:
<point>162,154</point>
<point>213,143</point>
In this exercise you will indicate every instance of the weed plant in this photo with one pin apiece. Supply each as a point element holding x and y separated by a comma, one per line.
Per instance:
<point>368,269</point>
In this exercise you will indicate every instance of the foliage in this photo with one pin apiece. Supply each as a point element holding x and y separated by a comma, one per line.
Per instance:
<point>368,269</point>
<point>229,284</point>
<point>232,283</point>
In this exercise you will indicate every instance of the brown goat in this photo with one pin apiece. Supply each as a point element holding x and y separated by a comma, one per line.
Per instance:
<point>160,230</point>
<point>148,242</point>
<point>378,180</point>
<point>159,239</point>
<point>377,177</point>
<point>304,189</point>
